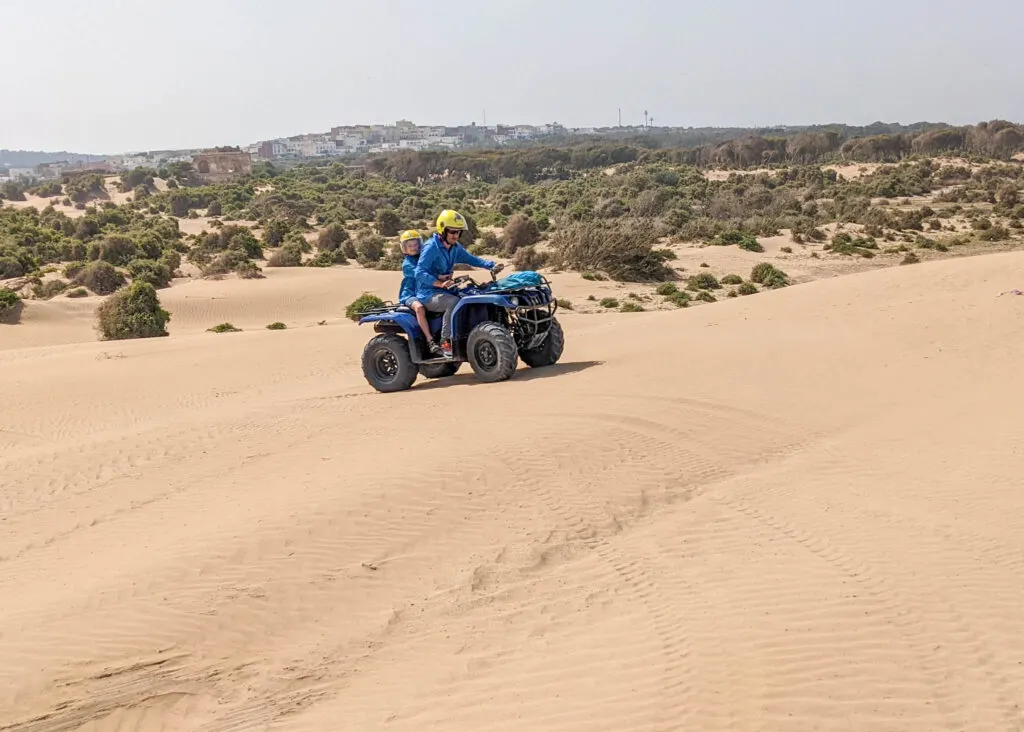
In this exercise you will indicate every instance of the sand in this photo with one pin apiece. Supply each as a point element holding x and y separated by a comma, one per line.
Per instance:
<point>799,510</point>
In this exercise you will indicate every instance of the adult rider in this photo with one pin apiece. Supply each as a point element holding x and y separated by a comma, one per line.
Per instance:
<point>440,254</point>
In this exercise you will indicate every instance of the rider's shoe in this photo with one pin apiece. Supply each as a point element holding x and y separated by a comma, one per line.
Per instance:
<point>446,349</point>
<point>434,348</point>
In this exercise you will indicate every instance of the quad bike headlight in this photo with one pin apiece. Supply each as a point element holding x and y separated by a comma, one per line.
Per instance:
<point>514,300</point>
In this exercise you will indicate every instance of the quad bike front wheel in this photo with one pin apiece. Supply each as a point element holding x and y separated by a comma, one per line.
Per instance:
<point>491,351</point>
<point>548,352</point>
<point>387,364</point>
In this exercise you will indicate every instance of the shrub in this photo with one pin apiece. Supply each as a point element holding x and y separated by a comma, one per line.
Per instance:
<point>631,307</point>
<point>290,255</point>
<point>275,232</point>
<point>277,326</point>
<point>10,267</point>
<point>47,290</point>
<point>78,292</point>
<point>609,302</point>
<point>995,233</point>
<point>360,304</point>
<point>224,328</point>
<point>171,259</point>
<point>157,274</point>
<point>133,312</point>
<point>623,251</point>
<point>564,304</point>
<point>369,249</point>
<point>327,259</point>
<point>332,238</point>
<point>388,223</point>
<point>529,259</point>
<point>703,281</point>
<point>10,301</point>
<point>117,249</point>
<point>248,270</point>
<point>741,239</point>
<point>679,299</point>
<point>667,288</point>
<point>214,209</point>
<point>520,231</point>
<point>767,275</point>
<point>910,258</point>
<point>731,279</point>
<point>747,288</point>
<point>100,277</point>
<point>786,250</point>
<point>706,296</point>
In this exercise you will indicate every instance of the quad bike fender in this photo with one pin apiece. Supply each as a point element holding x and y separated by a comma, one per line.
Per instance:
<point>393,322</point>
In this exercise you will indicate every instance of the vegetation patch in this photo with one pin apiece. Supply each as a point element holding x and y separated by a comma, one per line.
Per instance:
<point>133,312</point>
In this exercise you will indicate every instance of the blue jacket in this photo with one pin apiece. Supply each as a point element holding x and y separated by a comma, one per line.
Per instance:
<point>436,260</point>
<point>408,288</point>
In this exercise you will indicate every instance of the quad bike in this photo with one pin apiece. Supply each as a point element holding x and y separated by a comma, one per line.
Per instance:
<point>494,325</point>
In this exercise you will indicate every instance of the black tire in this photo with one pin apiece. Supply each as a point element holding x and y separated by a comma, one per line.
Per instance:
<point>439,370</point>
<point>491,351</point>
<point>548,352</point>
<point>387,365</point>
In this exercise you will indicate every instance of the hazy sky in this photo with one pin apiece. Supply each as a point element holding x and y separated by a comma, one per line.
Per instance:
<point>107,76</point>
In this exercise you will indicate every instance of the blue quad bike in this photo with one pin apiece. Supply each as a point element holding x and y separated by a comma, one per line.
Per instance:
<point>494,325</point>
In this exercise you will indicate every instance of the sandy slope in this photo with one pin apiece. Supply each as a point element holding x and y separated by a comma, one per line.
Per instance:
<point>794,511</point>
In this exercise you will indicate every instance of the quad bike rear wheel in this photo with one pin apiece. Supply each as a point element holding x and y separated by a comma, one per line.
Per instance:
<point>387,364</point>
<point>548,352</point>
<point>491,351</point>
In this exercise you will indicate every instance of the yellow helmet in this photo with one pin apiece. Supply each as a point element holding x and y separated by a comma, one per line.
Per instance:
<point>410,234</point>
<point>450,220</point>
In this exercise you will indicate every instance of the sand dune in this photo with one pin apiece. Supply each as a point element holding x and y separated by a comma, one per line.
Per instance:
<point>799,510</point>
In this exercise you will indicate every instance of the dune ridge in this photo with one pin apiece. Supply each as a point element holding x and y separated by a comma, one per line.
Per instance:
<point>794,511</point>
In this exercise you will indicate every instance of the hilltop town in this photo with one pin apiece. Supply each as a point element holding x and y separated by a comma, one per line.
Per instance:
<point>340,142</point>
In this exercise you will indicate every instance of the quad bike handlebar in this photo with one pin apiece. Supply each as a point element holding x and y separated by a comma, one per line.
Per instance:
<point>467,280</point>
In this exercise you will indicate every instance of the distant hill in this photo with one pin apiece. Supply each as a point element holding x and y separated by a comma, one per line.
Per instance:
<point>31,158</point>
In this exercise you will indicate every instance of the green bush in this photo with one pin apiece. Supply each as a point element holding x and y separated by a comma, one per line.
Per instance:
<point>133,312</point>
<point>327,259</point>
<point>100,277</point>
<point>369,249</point>
<point>49,289</point>
<point>10,301</point>
<point>703,281</point>
<point>609,302</point>
<point>290,255</point>
<point>995,233</point>
<point>706,296</point>
<point>363,302</point>
<point>624,251</point>
<point>565,304</point>
<point>248,270</point>
<point>224,328</point>
<point>747,288</point>
<point>742,239</point>
<point>332,238</point>
<point>10,268</point>
<point>117,249</point>
<point>78,292</point>
<point>679,298</point>
<point>155,273</point>
<point>631,307</point>
<point>277,326</point>
<point>667,288</point>
<point>731,279</point>
<point>767,275</point>
<point>388,223</point>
